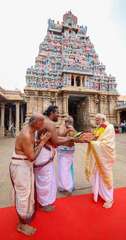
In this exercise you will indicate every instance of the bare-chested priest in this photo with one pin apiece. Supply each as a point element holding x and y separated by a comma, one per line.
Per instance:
<point>21,171</point>
<point>45,178</point>
<point>65,156</point>
<point>21,168</point>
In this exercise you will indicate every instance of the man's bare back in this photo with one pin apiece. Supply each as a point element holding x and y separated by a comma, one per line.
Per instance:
<point>55,138</point>
<point>26,135</point>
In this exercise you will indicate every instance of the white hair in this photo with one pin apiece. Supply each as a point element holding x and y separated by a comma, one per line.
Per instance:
<point>69,119</point>
<point>101,116</point>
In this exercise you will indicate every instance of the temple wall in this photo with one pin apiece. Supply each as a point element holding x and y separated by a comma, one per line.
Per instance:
<point>86,110</point>
<point>93,108</point>
<point>112,107</point>
<point>83,114</point>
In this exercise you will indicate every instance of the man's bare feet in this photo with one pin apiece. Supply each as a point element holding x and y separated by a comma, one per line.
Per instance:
<point>48,208</point>
<point>108,204</point>
<point>26,229</point>
<point>65,192</point>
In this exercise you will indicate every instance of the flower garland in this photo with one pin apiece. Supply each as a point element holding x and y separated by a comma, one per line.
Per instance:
<point>99,130</point>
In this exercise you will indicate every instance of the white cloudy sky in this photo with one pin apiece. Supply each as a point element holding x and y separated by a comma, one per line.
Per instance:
<point>23,25</point>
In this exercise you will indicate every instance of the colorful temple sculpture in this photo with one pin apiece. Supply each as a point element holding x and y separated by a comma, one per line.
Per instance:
<point>68,73</point>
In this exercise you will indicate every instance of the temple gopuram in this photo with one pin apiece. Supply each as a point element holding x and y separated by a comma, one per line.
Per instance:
<point>69,74</point>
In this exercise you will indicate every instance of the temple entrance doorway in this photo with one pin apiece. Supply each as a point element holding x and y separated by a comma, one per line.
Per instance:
<point>78,109</point>
<point>123,116</point>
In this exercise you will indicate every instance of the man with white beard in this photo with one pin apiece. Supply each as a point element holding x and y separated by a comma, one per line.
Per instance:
<point>100,157</point>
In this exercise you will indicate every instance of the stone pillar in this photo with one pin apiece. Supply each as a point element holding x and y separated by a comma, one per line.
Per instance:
<point>56,99</point>
<point>104,106</point>
<point>75,81</point>
<point>118,117</point>
<point>60,104</point>
<point>10,116</point>
<point>101,106</point>
<point>17,117</point>
<point>112,107</point>
<point>65,104</point>
<point>92,109</point>
<point>86,113</point>
<point>92,104</point>
<point>39,104</point>
<point>81,81</point>
<point>96,102</point>
<point>42,102</point>
<point>29,110</point>
<point>22,116</point>
<point>46,100</point>
<point>85,81</point>
<point>2,128</point>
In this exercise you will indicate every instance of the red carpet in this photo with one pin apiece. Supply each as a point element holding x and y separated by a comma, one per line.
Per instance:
<point>75,218</point>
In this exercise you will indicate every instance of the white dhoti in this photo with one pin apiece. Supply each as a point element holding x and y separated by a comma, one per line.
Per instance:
<point>45,177</point>
<point>21,172</point>
<point>99,188</point>
<point>65,156</point>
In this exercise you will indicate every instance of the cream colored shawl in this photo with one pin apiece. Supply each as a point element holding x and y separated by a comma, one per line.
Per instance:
<point>100,154</point>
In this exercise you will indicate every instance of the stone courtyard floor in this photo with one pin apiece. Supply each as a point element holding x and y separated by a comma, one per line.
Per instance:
<point>81,185</point>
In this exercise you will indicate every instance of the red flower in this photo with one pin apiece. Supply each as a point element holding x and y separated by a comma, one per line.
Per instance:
<point>103,125</point>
